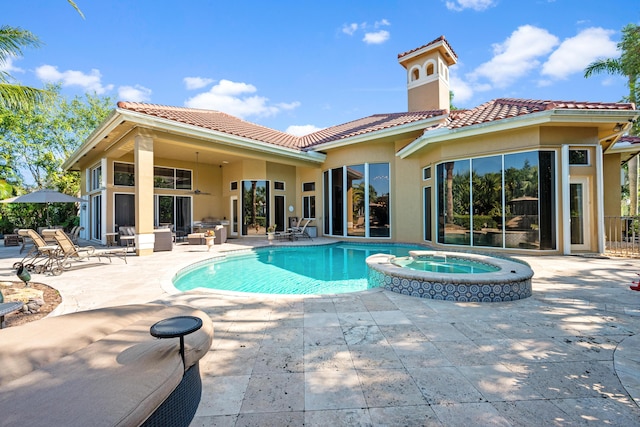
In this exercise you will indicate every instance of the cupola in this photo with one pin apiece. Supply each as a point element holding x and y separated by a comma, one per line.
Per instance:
<point>428,75</point>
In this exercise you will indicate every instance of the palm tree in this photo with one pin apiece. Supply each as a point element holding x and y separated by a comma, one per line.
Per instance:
<point>15,96</point>
<point>627,65</point>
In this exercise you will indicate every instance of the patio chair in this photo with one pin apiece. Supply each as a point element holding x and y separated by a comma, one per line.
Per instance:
<point>127,236</point>
<point>40,256</point>
<point>298,232</point>
<point>68,252</point>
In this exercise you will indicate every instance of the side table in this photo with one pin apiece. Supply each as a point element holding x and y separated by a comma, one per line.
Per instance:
<point>176,327</point>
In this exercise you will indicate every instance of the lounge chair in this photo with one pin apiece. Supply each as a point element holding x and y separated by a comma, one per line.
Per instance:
<point>41,256</point>
<point>298,232</point>
<point>74,234</point>
<point>68,252</point>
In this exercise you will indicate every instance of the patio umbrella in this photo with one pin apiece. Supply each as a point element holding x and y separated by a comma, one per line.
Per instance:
<point>44,196</point>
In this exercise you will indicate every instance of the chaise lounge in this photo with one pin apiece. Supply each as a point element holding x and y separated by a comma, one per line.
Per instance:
<point>102,368</point>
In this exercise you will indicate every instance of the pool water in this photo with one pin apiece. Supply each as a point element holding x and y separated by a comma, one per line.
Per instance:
<point>322,269</point>
<point>443,265</point>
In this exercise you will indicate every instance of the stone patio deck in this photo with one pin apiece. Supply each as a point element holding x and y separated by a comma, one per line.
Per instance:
<point>569,355</point>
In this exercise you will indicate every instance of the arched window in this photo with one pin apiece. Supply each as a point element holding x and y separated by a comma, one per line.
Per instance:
<point>415,74</point>
<point>430,69</point>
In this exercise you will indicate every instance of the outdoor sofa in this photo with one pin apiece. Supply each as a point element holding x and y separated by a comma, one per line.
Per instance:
<point>102,368</point>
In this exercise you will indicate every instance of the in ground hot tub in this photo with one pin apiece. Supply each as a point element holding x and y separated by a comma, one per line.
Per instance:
<point>451,276</point>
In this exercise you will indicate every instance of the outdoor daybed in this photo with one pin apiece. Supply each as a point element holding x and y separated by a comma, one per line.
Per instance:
<point>102,368</point>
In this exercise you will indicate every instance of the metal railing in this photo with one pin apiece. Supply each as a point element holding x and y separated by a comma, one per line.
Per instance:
<point>622,235</point>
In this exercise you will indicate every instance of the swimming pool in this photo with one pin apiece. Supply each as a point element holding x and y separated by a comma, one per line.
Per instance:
<point>320,269</point>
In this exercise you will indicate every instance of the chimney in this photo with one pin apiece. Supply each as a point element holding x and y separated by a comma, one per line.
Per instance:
<point>428,75</point>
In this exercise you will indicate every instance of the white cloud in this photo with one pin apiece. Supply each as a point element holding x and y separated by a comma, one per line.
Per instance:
<point>192,83</point>
<point>350,29</point>
<point>302,130</point>
<point>234,98</point>
<point>370,37</point>
<point>477,5</point>
<point>376,38</point>
<point>135,93</point>
<point>576,53</point>
<point>89,82</point>
<point>516,56</point>
<point>462,92</point>
<point>7,66</point>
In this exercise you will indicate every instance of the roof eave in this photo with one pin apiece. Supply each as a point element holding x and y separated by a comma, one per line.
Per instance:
<point>171,126</point>
<point>533,119</point>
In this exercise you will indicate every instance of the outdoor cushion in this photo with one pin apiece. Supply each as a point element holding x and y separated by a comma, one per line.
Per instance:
<point>100,367</point>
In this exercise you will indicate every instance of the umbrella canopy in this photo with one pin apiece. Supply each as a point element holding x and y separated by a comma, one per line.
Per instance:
<point>43,196</point>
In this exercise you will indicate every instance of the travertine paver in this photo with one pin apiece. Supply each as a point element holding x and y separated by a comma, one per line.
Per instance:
<point>569,355</point>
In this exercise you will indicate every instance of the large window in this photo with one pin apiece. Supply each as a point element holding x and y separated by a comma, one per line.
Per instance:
<point>174,211</point>
<point>95,178</point>
<point>125,210</point>
<point>308,206</point>
<point>309,201</point>
<point>487,201</point>
<point>123,174</point>
<point>356,200</point>
<point>356,197</point>
<point>505,201</point>
<point>178,179</point>
<point>453,204</point>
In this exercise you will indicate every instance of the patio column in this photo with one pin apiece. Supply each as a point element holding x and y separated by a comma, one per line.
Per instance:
<point>143,157</point>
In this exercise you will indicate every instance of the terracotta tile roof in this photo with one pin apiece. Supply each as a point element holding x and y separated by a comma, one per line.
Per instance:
<point>222,122</point>
<point>365,125</point>
<point>504,108</point>
<point>491,111</point>
<point>439,39</point>
<point>214,120</point>
<point>630,139</point>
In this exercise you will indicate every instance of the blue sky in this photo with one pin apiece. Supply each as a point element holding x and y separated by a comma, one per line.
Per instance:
<point>302,65</point>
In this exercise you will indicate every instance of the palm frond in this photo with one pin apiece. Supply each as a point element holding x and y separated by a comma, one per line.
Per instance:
<point>608,66</point>
<point>16,97</point>
<point>75,6</point>
<point>13,40</point>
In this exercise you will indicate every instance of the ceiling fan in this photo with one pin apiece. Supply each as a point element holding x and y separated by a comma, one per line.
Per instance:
<point>197,191</point>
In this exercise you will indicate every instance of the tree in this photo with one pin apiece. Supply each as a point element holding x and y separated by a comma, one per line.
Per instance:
<point>627,65</point>
<point>37,139</point>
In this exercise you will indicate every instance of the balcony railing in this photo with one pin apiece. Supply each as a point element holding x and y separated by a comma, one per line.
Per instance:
<point>622,235</point>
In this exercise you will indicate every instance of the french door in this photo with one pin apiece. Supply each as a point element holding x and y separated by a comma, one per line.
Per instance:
<point>579,214</point>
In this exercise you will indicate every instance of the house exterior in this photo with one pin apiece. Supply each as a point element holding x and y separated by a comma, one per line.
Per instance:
<point>512,175</point>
